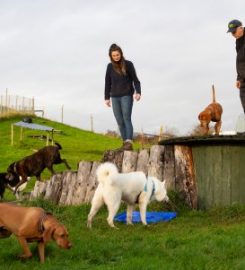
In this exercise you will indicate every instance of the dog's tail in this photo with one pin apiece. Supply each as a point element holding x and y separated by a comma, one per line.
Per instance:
<point>58,145</point>
<point>213,94</point>
<point>106,173</point>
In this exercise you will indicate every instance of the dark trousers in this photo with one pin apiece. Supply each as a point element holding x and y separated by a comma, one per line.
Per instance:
<point>242,95</point>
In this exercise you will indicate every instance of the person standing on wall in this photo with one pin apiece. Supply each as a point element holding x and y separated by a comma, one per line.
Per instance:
<point>237,31</point>
<point>122,86</point>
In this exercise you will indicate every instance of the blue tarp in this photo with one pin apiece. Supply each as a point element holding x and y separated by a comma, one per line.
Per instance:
<point>33,126</point>
<point>151,217</point>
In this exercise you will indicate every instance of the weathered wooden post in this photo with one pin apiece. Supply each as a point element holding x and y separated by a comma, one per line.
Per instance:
<point>155,166</point>
<point>184,174</point>
<point>129,161</point>
<point>79,192</point>
<point>142,161</point>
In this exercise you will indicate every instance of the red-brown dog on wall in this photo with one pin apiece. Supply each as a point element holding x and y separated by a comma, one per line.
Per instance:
<point>32,224</point>
<point>212,113</point>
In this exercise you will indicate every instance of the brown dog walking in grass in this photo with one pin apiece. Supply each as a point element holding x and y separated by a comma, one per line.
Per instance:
<point>212,113</point>
<point>32,224</point>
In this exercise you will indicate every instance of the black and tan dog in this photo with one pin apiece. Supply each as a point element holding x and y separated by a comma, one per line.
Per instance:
<point>34,164</point>
<point>5,183</point>
<point>212,112</point>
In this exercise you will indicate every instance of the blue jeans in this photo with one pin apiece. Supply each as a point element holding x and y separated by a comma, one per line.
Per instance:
<point>122,109</point>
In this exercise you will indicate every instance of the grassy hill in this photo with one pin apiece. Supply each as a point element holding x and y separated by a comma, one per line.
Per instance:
<point>77,144</point>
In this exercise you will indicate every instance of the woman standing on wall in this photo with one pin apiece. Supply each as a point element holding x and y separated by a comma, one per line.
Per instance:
<point>121,87</point>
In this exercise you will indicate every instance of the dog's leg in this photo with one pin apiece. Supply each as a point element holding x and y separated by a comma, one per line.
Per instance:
<point>97,202</point>
<point>142,206</point>
<point>130,210</point>
<point>113,206</point>
<point>205,127</point>
<point>65,162</point>
<point>22,181</point>
<point>41,251</point>
<point>50,167</point>
<point>217,127</point>
<point>38,177</point>
<point>27,253</point>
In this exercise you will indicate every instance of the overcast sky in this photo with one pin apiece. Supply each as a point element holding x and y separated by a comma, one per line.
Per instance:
<point>57,52</point>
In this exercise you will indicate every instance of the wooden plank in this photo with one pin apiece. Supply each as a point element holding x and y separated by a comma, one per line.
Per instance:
<point>214,175</point>
<point>203,178</point>
<point>238,175</point>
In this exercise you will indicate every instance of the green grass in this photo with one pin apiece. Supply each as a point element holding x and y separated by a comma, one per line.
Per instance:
<point>195,240</point>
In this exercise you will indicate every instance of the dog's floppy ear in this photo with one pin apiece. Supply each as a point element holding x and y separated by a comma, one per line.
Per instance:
<point>48,233</point>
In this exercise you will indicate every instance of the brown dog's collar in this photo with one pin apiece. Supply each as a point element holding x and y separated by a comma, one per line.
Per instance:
<point>41,221</point>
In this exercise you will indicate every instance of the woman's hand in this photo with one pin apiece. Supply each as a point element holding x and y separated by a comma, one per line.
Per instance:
<point>238,84</point>
<point>137,96</point>
<point>108,102</point>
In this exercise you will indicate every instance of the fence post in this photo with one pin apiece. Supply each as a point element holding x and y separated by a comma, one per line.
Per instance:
<point>92,123</point>
<point>1,104</point>
<point>21,134</point>
<point>16,103</point>
<point>62,113</point>
<point>6,98</point>
<point>33,105</point>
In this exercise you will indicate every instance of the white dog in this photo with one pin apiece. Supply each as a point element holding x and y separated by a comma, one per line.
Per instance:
<point>131,187</point>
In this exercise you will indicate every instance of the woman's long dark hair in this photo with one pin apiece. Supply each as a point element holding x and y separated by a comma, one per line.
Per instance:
<point>120,66</point>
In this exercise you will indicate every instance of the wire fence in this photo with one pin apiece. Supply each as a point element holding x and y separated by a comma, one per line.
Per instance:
<point>19,104</point>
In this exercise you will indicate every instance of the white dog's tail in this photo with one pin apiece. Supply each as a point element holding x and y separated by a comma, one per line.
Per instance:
<point>107,172</point>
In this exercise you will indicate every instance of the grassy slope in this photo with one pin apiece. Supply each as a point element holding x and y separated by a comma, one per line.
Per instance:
<point>77,144</point>
<point>194,240</point>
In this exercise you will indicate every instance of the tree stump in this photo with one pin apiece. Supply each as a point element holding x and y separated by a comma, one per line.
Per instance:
<point>68,186</point>
<point>39,190</point>
<point>81,183</point>
<point>92,183</point>
<point>129,161</point>
<point>155,165</point>
<point>53,188</point>
<point>142,161</point>
<point>114,156</point>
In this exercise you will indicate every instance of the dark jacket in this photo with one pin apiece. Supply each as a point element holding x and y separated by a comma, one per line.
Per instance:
<point>119,85</point>
<point>240,60</point>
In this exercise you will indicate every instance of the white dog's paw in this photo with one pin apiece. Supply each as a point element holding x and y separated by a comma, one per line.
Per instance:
<point>89,224</point>
<point>130,223</point>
